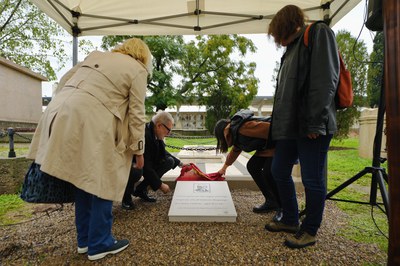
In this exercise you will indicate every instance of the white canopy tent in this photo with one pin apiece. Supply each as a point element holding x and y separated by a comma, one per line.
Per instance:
<point>180,17</point>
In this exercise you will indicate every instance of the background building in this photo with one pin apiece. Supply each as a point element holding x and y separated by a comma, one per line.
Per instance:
<point>192,117</point>
<point>21,95</point>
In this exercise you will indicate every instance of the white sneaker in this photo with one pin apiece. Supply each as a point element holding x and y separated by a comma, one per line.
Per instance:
<point>82,250</point>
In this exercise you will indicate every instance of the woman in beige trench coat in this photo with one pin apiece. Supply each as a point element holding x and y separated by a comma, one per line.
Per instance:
<point>89,133</point>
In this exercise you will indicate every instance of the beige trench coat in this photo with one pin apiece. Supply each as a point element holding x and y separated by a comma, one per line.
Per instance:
<point>94,124</point>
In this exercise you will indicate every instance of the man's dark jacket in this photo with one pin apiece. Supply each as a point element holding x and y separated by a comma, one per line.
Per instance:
<point>154,154</point>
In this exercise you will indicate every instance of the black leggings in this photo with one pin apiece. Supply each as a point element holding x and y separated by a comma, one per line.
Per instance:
<point>260,170</point>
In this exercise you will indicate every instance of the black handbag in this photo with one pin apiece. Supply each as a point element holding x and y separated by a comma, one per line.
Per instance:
<point>39,187</point>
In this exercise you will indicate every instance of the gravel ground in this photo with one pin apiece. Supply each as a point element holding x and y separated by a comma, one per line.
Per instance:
<point>50,239</point>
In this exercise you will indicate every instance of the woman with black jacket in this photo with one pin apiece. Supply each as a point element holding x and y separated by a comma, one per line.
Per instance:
<point>304,119</point>
<point>259,165</point>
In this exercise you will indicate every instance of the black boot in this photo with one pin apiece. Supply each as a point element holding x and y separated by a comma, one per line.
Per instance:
<point>278,215</point>
<point>268,206</point>
<point>127,204</point>
<point>144,196</point>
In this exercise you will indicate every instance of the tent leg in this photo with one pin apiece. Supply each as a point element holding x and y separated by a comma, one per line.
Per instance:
<point>75,50</point>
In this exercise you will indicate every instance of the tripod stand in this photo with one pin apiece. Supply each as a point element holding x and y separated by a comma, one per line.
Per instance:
<point>378,173</point>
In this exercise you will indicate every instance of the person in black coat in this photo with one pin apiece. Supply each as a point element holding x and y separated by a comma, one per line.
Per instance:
<point>157,161</point>
<point>304,121</point>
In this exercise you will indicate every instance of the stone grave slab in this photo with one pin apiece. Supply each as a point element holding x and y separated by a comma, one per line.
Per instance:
<point>202,201</point>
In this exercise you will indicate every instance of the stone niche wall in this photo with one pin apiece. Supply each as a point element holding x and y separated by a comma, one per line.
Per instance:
<point>12,173</point>
<point>191,121</point>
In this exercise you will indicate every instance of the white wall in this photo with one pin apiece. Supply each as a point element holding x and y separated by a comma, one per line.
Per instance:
<point>20,94</point>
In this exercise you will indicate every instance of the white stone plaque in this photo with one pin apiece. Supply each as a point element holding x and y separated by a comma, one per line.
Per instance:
<point>202,201</point>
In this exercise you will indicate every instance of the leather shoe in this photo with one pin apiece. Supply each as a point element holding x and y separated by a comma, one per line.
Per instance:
<point>265,208</point>
<point>128,205</point>
<point>278,215</point>
<point>144,196</point>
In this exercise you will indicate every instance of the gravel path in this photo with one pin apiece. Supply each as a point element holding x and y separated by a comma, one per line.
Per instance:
<point>50,239</point>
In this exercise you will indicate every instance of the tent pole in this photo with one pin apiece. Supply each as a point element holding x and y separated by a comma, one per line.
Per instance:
<point>326,9</point>
<point>74,50</point>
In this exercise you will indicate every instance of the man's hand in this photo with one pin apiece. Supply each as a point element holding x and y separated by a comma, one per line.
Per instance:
<point>165,188</point>
<point>139,161</point>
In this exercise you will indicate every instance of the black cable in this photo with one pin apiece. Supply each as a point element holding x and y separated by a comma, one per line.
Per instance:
<point>358,37</point>
<point>376,225</point>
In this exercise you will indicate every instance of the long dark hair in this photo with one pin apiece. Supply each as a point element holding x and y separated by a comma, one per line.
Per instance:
<point>285,23</point>
<point>222,145</point>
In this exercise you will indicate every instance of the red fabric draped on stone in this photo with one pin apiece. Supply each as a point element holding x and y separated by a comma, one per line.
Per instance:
<point>191,172</point>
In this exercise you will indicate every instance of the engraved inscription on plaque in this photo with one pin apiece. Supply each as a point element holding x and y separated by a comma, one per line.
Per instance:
<point>202,201</point>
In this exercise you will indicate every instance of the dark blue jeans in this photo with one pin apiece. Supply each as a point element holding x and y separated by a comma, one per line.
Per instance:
<point>93,220</point>
<point>312,155</point>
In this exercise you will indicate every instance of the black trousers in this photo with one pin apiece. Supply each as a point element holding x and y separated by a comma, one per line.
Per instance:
<point>260,170</point>
<point>136,174</point>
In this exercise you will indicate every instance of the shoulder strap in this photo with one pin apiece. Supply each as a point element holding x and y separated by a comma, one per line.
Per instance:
<point>308,34</point>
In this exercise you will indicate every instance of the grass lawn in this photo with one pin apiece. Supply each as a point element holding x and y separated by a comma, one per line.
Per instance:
<point>367,224</point>
<point>21,149</point>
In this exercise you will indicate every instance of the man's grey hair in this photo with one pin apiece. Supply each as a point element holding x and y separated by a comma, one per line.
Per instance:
<point>162,117</point>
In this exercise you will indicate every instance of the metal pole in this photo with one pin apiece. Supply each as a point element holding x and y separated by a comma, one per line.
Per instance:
<point>75,50</point>
<point>11,153</point>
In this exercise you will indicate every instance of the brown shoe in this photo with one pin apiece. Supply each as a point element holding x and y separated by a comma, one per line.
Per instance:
<point>277,226</point>
<point>300,240</point>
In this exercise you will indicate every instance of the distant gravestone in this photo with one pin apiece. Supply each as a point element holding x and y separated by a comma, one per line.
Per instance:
<point>202,201</point>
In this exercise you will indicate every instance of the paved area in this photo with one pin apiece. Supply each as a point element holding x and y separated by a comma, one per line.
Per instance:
<point>210,162</point>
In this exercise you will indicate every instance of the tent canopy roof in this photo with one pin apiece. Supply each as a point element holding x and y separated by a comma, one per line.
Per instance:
<point>180,17</point>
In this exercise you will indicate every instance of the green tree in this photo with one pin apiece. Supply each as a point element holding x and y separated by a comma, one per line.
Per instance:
<point>166,51</point>
<point>212,77</point>
<point>375,71</point>
<point>29,38</point>
<point>354,54</point>
<point>275,74</point>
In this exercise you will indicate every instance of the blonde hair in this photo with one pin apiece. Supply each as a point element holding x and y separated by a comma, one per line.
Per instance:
<point>139,50</point>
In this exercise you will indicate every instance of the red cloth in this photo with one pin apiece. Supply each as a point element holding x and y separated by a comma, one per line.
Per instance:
<point>192,173</point>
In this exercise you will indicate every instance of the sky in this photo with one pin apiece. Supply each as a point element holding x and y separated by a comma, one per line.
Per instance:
<point>267,54</point>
